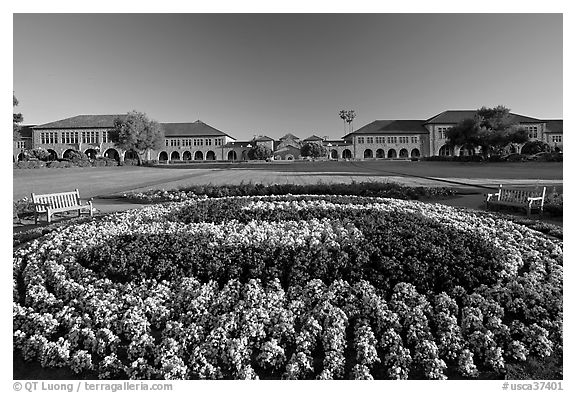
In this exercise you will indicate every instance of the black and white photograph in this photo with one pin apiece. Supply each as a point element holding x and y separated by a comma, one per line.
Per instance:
<point>287,196</point>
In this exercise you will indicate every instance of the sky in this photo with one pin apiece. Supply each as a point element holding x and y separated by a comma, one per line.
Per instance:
<point>272,74</point>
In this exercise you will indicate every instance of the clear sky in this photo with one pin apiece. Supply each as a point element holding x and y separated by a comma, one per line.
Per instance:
<point>271,74</point>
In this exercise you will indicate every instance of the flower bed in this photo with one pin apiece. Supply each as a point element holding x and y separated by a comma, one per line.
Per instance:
<point>366,189</point>
<point>289,287</point>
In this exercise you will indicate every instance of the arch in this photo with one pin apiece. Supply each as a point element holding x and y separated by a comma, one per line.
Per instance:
<point>68,153</point>
<point>91,153</point>
<point>21,157</point>
<point>232,155</point>
<point>174,156</point>
<point>210,155</point>
<point>289,157</point>
<point>187,156</point>
<point>346,154</point>
<point>446,150</point>
<point>524,149</point>
<point>53,155</point>
<point>467,150</point>
<point>392,153</point>
<point>512,149</point>
<point>113,154</point>
<point>163,156</point>
<point>244,155</point>
<point>131,155</point>
<point>403,153</point>
<point>198,156</point>
<point>334,154</point>
<point>368,153</point>
<point>415,153</point>
<point>380,153</point>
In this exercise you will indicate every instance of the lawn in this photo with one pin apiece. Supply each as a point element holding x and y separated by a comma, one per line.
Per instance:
<point>106,181</point>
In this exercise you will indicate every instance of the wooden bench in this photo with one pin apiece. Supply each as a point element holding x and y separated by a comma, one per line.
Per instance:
<point>527,199</point>
<point>51,204</point>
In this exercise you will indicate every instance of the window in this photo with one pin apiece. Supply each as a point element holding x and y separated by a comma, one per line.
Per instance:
<point>442,132</point>
<point>48,137</point>
<point>380,139</point>
<point>532,131</point>
<point>392,139</point>
<point>360,139</point>
<point>208,142</point>
<point>414,139</point>
<point>21,144</point>
<point>557,138</point>
<point>105,137</point>
<point>369,139</point>
<point>403,139</point>
<point>219,141</point>
<point>166,142</point>
<point>89,137</point>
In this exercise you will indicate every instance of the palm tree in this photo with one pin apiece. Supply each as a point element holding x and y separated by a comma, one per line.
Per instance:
<point>350,115</point>
<point>343,115</point>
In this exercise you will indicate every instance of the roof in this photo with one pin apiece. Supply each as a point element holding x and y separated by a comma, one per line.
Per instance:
<point>289,136</point>
<point>391,127</point>
<point>237,144</point>
<point>313,138</point>
<point>554,126</point>
<point>198,128</point>
<point>26,131</point>
<point>456,116</point>
<point>262,138</point>
<point>83,121</point>
<point>336,142</point>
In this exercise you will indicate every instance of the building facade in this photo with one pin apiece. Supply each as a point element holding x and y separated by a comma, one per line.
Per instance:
<point>198,141</point>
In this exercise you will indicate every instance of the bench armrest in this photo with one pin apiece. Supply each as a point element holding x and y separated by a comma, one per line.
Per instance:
<point>490,196</point>
<point>536,198</point>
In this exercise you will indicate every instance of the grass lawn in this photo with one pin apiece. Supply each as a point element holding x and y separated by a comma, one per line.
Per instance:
<point>106,181</point>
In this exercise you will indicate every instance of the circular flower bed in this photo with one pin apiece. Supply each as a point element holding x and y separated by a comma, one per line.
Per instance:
<point>289,287</point>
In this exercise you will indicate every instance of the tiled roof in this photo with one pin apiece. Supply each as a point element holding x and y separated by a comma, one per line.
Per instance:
<point>555,126</point>
<point>454,117</point>
<point>289,136</point>
<point>198,128</point>
<point>391,127</point>
<point>313,138</point>
<point>263,138</point>
<point>83,121</point>
<point>26,131</point>
<point>337,143</point>
<point>238,144</point>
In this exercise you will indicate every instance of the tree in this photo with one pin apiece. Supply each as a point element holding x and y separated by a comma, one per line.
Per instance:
<point>350,116</point>
<point>347,117</point>
<point>137,132</point>
<point>492,129</point>
<point>313,149</point>
<point>260,152</point>
<point>18,118</point>
<point>343,115</point>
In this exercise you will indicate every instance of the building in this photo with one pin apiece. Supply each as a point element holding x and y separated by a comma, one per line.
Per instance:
<point>23,143</point>
<point>90,135</point>
<point>198,141</point>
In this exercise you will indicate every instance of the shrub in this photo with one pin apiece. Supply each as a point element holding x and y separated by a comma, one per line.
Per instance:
<point>129,162</point>
<point>59,164</point>
<point>29,164</point>
<point>533,147</point>
<point>259,152</point>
